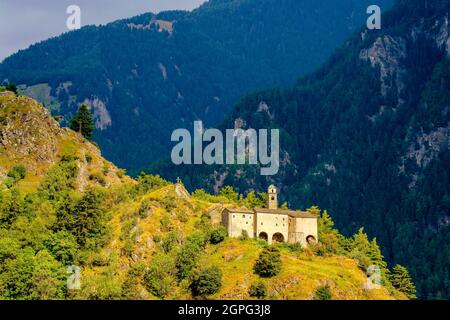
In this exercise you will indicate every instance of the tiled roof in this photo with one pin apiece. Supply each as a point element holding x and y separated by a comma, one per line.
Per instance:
<point>302,214</point>
<point>291,213</point>
<point>246,211</point>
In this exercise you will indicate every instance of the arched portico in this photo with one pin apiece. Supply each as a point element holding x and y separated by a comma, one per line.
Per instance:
<point>278,237</point>
<point>310,239</point>
<point>263,236</point>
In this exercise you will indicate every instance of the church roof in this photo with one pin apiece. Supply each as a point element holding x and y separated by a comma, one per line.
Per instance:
<point>238,210</point>
<point>291,213</point>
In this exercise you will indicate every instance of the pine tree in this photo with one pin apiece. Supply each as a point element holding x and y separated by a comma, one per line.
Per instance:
<point>401,280</point>
<point>325,224</point>
<point>254,201</point>
<point>360,249</point>
<point>229,193</point>
<point>11,87</point>
<point>376,256</point>
<point>377,259</point>
<point>314,210</point>
<point>83,122</point>
<point>330,238</point>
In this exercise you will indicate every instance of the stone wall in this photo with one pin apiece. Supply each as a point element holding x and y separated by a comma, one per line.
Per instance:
<point>237,222</point>
<point>301,228</point>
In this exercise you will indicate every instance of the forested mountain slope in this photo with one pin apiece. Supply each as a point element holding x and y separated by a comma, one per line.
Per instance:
<point>150,74</point>
<point>367,137</point>
<point>73,226</point>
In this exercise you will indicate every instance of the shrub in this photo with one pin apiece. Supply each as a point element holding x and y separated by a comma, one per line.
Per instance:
<point>201,194</point>
<point>63,246</point>
<point>121,173</point>
<point>11,87</point>
<point>59,180</point>
<point>26,275</point>
<point>144,208</point>
<point>244,235</point>
<point>165,223</point>
<point>129,232</point>
<point>170,241</point>
<point>323,293</point>
<point>258,290</point>
<point>157,238</point>
<point>268,263</point>
<point>68,158</point>
<point>105,169</point>
<point>147,182</point>
<point>48,277</point>
<point>363,261</point>
<point>17,173</point>
<point>186,259</point>
<point>169,203</point>
<point>137,270</point>
<point>318,249</point>
<point>229,193</point>
<point>182,216</point>
<point>295,247</point>
<point>204,223</point>
<point>9,182</point>
<point>218,235</point>
<point>130,288</point>
<point>206,282</point>
<point>160,278</point>
<point>98,177</point>
<point>198,239</point>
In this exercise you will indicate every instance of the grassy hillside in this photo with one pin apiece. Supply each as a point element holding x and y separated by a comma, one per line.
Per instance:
<point>366,136</point>
<point>62,205</point>
<point>302,270</point>
<point>32,138</point>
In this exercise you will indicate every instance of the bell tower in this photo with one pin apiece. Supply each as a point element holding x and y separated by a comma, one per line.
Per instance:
<point>272,197</point>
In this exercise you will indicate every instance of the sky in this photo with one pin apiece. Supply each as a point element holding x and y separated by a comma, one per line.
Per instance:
<point>25,22</point>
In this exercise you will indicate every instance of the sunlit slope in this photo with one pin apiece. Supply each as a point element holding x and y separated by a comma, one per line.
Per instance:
<point>138,229</point>
<point>32,138</point>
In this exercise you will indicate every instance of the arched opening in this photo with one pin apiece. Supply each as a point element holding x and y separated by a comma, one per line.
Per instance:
<point>310,239</point>
<point>263,236</point>
<point>278,237</point>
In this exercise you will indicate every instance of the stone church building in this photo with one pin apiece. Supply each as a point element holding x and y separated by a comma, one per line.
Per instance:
<point>272,224</point>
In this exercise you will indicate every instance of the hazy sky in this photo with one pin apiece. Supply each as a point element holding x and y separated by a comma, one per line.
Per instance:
<point>24,22</point>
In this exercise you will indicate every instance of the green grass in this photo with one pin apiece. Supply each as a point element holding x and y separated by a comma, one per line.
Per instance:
<point>301,273</point>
